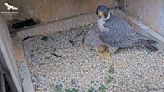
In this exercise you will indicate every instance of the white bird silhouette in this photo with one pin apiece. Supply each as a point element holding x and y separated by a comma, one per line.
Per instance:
<point>10,7</point>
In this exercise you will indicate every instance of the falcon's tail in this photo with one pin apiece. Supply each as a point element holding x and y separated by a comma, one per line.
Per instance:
<point>148,44</point>
<point>151,47</point>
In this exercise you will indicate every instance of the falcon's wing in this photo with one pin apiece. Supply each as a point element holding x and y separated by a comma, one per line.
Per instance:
<point>119,34</point>
<point>115,40</point>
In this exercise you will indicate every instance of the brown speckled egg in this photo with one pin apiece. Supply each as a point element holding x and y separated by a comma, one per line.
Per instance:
<point>102,48</point>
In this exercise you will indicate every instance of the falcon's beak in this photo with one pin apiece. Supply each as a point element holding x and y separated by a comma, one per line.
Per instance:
<point>100,14</point>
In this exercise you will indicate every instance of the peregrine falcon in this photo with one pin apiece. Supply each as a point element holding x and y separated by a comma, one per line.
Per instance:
<point>118,33</point>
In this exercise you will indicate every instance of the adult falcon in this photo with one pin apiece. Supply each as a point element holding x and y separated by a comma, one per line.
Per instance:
<point>117,33</point>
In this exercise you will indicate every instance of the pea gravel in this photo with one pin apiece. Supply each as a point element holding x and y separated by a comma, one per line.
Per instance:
<point>59,59</point>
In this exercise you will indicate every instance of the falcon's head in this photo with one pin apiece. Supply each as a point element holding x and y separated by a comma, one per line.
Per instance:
<point>103,12</point>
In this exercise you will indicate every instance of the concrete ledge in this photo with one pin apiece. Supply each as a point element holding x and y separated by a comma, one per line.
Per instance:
<point>59,25</point>
<point>18,50</point>
<point>26,78</point>
<point>22,65</point>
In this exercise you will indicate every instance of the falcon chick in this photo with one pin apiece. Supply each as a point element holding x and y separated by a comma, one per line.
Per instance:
<point>118,33</point>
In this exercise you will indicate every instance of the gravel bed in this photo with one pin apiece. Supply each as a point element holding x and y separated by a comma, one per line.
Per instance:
<point>58,62</point>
